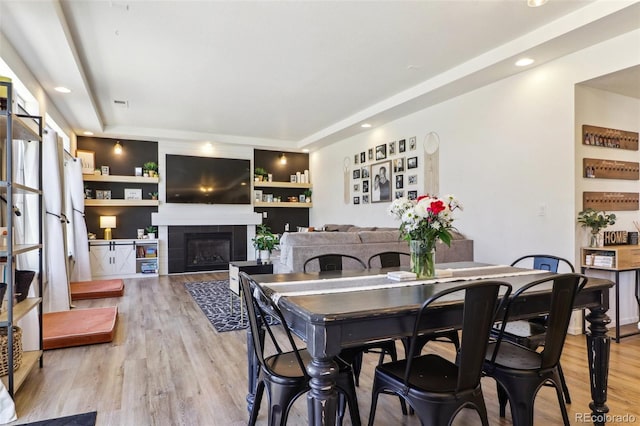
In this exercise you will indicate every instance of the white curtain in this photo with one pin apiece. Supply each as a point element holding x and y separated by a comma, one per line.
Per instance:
<point>82,267</point>
<point>56,296</point>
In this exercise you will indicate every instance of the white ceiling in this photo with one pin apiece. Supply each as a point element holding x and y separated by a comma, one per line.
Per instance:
<point>286,74</point>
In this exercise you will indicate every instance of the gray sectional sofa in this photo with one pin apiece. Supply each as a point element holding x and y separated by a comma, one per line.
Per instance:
<point>297,247</point>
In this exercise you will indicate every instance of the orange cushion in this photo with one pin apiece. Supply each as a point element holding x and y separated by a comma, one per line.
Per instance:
<point>79,327</point>
<point>97,289</point>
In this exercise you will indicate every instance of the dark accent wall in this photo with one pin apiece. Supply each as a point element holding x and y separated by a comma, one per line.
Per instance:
<point>134,154</point>
<point>278,217</point>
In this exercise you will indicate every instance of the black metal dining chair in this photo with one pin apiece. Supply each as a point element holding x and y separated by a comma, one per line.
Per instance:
<point>531,333</point>
<point>435,387</point>
<point>387,259</point>
<point>519,370</point>
<point>333,262</point>
<point>284,373</point>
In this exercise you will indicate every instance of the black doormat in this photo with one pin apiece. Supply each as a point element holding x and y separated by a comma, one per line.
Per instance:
<point>85,419</point>
<point>213,299</point>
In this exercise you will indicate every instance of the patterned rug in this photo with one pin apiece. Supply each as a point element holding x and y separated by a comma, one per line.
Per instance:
<point>86,419</point>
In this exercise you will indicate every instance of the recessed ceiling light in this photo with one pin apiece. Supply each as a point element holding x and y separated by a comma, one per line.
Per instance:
<point>365,125</point>
<point>536,3</point>
<point>88,133</point>
<point>62,89</point>
<point>524,62</point>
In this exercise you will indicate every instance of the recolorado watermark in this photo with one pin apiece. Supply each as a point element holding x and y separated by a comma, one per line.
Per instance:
<point>605,418</point>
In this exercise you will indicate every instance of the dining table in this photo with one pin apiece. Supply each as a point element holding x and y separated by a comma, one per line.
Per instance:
<point>334,310</point>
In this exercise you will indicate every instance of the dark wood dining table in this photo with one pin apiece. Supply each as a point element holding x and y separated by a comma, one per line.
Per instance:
<point>365,306</point>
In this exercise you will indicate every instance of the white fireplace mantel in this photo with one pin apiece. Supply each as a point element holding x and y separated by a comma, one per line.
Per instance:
<point>162,219</point>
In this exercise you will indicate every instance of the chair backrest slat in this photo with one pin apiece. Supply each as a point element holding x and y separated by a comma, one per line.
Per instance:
<point>387,259</point>
<point>332,262</point>
<point>545,262</point>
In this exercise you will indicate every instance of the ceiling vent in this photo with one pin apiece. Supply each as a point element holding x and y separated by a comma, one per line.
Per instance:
<point>121,103</point>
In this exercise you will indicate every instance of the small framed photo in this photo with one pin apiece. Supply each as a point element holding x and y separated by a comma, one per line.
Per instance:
<point>99,194</point>
<point>399,194</point>
<point>355,159</point>
<point>138,171</point>
<point>107,194</point>
<point>412,143</point>
<point>363,157</point>
<point>412,195</point>
<point>370,154</point>
<point>398,165</point>
<point>133,194</point>
<point>356,188</point>
<point>356,174</point>
<point>257,194</point>
<point>87,160</point>
<point>412,162</point>
<point>381,152</point>
<point>364,172</point>
<point>293,178</point>
<point>413,179</point>
<point>365,199</point>
<point>392,148</point>
<point>356,200</point>
<point>302,198</point>
<point>104,170</point>
<point>402,146</point>
<point>399,182</point>
<point>381,182</point>
<point>365,186</point>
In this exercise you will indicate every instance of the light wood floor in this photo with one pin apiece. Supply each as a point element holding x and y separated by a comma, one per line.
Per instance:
<point>168,366</point>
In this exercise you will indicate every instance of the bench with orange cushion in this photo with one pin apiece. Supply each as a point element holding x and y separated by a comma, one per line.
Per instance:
<point>97,289</point>
<point>79,327</point>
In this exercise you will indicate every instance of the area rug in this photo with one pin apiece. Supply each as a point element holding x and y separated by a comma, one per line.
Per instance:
<point>213,298</point>
<point>85,419</point>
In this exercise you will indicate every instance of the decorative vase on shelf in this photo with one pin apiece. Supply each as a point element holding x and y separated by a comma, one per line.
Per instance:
<point>423,259</point>
<point>595,239</point>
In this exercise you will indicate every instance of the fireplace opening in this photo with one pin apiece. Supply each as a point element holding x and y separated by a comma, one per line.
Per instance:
<point>207,251</point>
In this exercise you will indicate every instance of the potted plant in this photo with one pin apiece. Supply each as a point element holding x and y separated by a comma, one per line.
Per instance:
<point>260,173</point>
<point>151,167</point>
<point>596,220</point>
<point>151,232</point>
<point>307,195</point>
<point>264,241</point>
<point>153,195</point>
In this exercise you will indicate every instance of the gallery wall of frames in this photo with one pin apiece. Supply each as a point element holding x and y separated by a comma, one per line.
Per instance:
<point>385,172</point>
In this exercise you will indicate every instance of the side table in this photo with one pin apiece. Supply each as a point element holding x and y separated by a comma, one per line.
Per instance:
<point>250,267</point>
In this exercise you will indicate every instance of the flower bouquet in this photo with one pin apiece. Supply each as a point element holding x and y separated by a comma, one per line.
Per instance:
<point>596,220</point>
<point>424,221</point>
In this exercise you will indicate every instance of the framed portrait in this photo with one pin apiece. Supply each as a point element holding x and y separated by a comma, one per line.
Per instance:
<point>392,148</point>
<point>356,188</point>
<point>365,186</point>
<point>293,178</point>
<point>363,157</point>
<point>398,165</point>
<point>87,160</point>
<point>370,153</point>
<point>412,143</point>
<point>412,195</point>
<point>402,146</point>
<point>133,194</point>
<point>364,172</point>
<point>412,162</point>
<point>257,195</point>
<point>137,171</point>
<point>107,194</point>
<point>413,179</point>
<point>356,174</point>
<point>380,186</point>
<point>99,194</point>
<point>381,152</point>
<point>104,170</point>
<point>356,200</point>
<point>399,194</point>
<point>355,159</point>
<point>365,199</point>
<point>399,182</point>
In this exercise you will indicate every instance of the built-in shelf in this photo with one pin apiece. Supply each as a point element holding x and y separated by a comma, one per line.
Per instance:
<point>119,178</point>
<point>281,185</point>
<point>20,309</point>
<point>21,130</point>
<point>283,204</point>
<point>118,202</point>
<point>29,361</point>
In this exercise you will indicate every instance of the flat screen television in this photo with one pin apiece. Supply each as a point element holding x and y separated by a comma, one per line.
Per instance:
<point>207,180</point>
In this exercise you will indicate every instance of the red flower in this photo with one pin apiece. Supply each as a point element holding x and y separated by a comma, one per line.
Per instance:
<point>437,207</point>
<point>421,197</point>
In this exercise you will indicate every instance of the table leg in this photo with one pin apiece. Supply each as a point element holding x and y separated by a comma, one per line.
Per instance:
<point>617,307</point>
<point>322,399</point>
<point>598,348</point>
<point>253,368</point>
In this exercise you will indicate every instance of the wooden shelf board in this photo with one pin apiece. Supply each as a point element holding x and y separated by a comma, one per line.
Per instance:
<point>19,249</point>
<point>21,309</point>
<point>125,203</point>
<point>29,362</point>
<point>119,178</point>
<point>21,129</point>
<point>283,204</point>
<point>18,188</point>
<point>281,185</point>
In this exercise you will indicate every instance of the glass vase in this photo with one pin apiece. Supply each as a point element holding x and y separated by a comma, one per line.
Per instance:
<point>423,259</point>
<point>595,239</point>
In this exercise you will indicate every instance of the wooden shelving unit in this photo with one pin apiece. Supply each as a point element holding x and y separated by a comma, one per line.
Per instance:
<point>281,185</point>
<point>121,203</point>
<point>119,178</point>
<point>283,204</point>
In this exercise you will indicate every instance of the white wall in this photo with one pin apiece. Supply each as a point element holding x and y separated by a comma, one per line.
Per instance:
<point>507,152</point>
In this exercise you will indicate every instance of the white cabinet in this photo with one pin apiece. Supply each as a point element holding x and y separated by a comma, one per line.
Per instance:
<point>123,258</point>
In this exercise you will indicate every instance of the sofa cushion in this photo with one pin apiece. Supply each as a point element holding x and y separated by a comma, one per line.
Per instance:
<point>318,238</point>
<point>337,228</point>
<point>379,236</point>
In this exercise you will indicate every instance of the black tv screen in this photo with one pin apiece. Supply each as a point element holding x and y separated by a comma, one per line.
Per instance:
<point>207,180</point>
